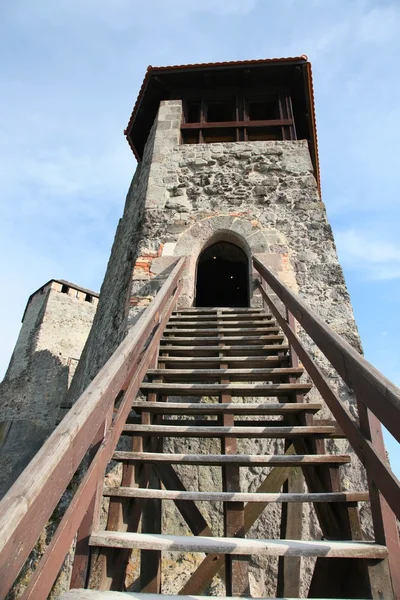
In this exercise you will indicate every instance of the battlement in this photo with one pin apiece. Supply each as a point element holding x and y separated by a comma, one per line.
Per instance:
<point>65,287</point>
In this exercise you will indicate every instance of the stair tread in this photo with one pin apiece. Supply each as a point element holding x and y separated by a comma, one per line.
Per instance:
<point>238,459</point>
<point>217,373</point>
<point>269,347</point>
<point>135,492</point>
<point>81,594</point>
<point>224,322</point>
<point>216,309</point>
<point>220,330</point>
<point>218,430</point>
<point>199,339</point>
<point>254,408</point>
<point>238,546</point>
<point>210,360</point>
<point>238,389</point>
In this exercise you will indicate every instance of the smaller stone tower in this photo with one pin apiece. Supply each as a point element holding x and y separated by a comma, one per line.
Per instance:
<point>55,326</point>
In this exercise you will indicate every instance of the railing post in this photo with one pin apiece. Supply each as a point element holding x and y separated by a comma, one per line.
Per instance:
<point>384,520</point>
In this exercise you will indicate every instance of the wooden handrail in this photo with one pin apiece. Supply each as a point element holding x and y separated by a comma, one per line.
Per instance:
<point>365,437</point>
<point>377,392</point>
<point>26,508</point>
<point>384,478</point>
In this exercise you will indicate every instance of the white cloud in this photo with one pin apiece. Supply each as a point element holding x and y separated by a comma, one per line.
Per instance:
<point>370,253</point>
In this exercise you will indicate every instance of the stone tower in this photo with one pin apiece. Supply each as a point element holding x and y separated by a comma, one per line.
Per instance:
<point>227,168</point>
<point>55,325</point>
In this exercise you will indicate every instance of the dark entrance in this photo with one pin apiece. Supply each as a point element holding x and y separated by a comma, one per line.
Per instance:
<point>222,276</point>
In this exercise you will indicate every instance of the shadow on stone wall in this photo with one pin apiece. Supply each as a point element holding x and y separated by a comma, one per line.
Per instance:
<point>30,406</point>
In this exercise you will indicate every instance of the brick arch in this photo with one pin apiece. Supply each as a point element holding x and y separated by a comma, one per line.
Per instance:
<point>242,232</point>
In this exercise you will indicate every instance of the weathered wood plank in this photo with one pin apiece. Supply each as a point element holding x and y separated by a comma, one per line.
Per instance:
<point>199,362</point>
<point>272,460</point>
<point>233,374</point>
<point>127,492</point>
<point>208,340</point>
<point>242,432</point>
<point>227,321</point>
<point>206,408</point>
<point>262,547</point>
<point>235,389</point>
<point>95,595</point>
<point>218,311</point>
<point>239,349</point>
<point>225,331</point>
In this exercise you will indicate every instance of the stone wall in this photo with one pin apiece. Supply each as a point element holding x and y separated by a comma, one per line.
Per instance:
<point>53,333</point>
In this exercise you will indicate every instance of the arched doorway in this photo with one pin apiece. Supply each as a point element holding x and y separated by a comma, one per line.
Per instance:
<point>222,276</point>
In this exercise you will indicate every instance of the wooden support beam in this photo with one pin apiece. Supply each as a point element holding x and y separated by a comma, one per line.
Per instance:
<point>236,569</point>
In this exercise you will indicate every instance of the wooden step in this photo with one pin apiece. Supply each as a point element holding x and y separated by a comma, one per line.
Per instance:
<point>232,408</point>
<point>243,460</point>
<point>281,432</point>
<point>199,362</point>
<point>237,546</point>
<point>216,310</point>
<point>131,492</point>
<point>81,594</point>
<point>234,389</point>
<point>234,339</point>
<point>232,374</point>
<point>226,331</point>
<point>218,323</point>
<point>199,317</point>
<point>239,350</point>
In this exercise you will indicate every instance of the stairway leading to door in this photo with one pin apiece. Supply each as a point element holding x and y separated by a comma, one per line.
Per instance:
<point>232,380</point>
<point>240,359</point>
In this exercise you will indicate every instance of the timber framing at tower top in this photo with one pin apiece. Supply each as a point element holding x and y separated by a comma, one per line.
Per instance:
<point>290,78</point>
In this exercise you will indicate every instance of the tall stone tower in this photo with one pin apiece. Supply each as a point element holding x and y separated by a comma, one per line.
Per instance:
<point>227,167</point>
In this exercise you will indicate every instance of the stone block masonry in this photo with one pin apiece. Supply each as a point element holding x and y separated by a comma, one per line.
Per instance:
<point>55,326</point>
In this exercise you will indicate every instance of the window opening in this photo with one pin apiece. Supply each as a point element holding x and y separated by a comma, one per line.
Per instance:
<point>263,110</point>
<point>64,289</point>
<point>88,298</point>
<point>220,111</point>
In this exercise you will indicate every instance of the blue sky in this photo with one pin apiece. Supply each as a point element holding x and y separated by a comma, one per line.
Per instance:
<point>69,76</point>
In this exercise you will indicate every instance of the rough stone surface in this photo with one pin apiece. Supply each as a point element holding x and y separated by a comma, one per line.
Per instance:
<point>52,336</point>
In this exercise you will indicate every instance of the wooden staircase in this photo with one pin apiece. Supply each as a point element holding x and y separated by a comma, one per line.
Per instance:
<point>221,354</point>
<point>233,375</point>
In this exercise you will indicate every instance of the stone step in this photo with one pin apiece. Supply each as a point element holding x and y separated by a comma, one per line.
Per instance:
<point>173,375</point>
<point>237,546</point>
<point>235,408</point>
<point>243,460</point>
